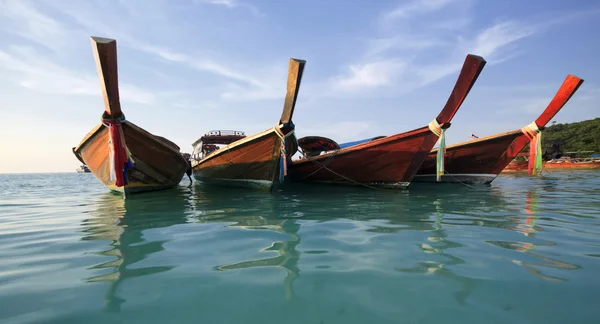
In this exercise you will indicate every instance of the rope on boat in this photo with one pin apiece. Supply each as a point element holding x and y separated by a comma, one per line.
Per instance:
<point>435,128</point>
<point>283,155</point>
<point>119,155</point>
<point>323,166</point>
<point>535,148</point>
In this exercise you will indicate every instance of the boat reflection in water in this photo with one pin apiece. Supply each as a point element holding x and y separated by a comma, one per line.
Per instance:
<point>383,237</point>
<point>529,228</point>
<point>123,222</point>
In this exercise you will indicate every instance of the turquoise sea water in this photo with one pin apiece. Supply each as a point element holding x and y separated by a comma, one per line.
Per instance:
<point>523,250</point>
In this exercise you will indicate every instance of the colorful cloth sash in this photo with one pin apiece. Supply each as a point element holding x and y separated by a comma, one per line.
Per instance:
<point>435,128</point>
<point>535,148</point>
<point>119,155</point>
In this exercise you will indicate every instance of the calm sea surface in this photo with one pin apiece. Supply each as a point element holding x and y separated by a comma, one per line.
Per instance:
<point>523,250</point>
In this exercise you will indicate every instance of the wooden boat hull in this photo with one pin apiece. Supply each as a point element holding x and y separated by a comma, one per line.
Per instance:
<point>389,162</point>
<point>251,162</point>
<point>158,163</point>
<point>481,160</point>
<point>475,162</point>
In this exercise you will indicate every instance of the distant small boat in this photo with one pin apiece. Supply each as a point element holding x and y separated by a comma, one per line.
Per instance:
<point>83,169</point>
<point>479,161</point>
<point>563,163</point>
<point>123,156</point>
<point>383,161</point>
<point>232,158</point>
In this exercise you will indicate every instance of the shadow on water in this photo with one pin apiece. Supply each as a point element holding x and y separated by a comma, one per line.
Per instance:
<point>425,209</point>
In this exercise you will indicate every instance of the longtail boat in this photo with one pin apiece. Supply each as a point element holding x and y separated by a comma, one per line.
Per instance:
<point>383,161</point>
<point>124,157</point>
<point>232,158</point>
<point>479,161</point>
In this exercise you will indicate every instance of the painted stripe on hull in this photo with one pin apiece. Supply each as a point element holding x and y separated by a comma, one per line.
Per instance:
<point>246,183</point>
<point>473,178</point>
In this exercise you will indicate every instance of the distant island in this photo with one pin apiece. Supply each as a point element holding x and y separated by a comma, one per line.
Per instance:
<point>583,137</point>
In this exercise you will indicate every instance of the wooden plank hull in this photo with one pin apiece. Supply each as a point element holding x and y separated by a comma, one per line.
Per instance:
<point>250,162</point>
<point>158,163</point>
<point>389,162</point>
<point>481,160</point>
<point>475,162</point>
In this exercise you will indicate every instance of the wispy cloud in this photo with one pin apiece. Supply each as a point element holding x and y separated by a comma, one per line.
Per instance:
<point>39,26</point>
<point>200,64</point>
<point>32,71</point>
<point>28,22</point>
<point>232,4</point>
<point>369,75</point>
<point>415,7</point>
<point>494,38</point>
<point>430,43</point>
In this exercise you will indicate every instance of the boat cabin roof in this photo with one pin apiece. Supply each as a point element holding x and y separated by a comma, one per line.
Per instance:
<point>224,137</point>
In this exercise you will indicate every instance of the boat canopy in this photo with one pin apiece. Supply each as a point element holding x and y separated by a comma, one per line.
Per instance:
<point>210,141</point>
<point>349,144</point>
<point>223,137</point>
<point>314,145</point>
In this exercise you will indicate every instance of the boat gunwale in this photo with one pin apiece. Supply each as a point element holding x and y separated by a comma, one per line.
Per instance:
<point>96,130</point>
<point>478,140</point>
<point>233,145</point>
<point>362,146</point>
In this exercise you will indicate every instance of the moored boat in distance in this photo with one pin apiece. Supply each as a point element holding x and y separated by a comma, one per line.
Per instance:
<point>564,163</point>
<point>124,157</point>
<point>232,158</point>
<point>83,169</point>
<point>481,160</point>
<point>383,161</point>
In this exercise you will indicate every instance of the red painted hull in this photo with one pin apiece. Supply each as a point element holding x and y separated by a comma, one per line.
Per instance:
<point>392,161</point>
<point>250,162</point>
<point>481,160</point>
<point>387,162</point>
<point>476,161</point>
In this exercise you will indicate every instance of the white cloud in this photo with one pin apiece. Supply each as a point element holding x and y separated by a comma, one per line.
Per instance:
<point>232,4</point>
<point>415,7</point>
<point>369,75</point>
<point>403,42</point>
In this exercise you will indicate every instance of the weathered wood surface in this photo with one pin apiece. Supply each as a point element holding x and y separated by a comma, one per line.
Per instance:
<point>255,159</point>
<point>158,162</point>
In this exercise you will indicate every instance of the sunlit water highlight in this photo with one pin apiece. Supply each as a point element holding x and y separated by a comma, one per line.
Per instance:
<point>523,250</point>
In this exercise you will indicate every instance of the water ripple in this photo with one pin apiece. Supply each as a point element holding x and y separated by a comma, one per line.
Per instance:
<point>515,251</point>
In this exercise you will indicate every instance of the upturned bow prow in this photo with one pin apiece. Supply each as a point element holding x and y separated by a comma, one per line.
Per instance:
<point>105,54</point>
<point>295,71</point>
<point>562,96</point>
<point>469,73</point>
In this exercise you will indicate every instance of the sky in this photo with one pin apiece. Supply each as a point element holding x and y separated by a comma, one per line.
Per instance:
<point>374,67</point>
